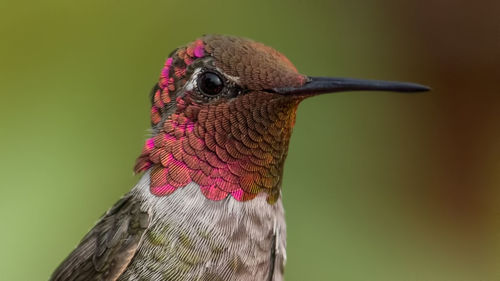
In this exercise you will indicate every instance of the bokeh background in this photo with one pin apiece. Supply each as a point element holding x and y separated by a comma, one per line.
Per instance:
<point>378,186</point>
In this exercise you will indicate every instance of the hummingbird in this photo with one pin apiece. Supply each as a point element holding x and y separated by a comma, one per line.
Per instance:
<point>208,205</point>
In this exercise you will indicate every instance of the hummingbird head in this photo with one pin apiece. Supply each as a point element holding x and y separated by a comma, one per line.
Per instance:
<point>222,116</point>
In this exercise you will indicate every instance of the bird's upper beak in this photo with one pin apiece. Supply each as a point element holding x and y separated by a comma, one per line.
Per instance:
<point>320,85</point>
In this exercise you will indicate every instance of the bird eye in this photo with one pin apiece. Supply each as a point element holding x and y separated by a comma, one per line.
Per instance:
<point>210,83</point>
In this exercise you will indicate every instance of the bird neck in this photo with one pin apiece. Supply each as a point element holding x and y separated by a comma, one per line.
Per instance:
<point>235,148</point>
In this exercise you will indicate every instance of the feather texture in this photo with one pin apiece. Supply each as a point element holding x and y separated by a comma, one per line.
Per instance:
<point>105,252</point>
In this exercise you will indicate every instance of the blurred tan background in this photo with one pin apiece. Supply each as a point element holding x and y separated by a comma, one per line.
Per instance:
<point>378,186</point>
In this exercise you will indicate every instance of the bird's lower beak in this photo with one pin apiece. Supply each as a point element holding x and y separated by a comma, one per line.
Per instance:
<point>320,85</point>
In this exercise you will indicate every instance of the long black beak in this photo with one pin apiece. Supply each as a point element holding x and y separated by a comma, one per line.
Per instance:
<point>319,85</point>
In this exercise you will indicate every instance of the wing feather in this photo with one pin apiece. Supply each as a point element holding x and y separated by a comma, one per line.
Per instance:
<point>105,252</point>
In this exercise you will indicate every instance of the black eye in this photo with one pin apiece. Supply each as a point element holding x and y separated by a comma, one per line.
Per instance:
<point>210,83</point>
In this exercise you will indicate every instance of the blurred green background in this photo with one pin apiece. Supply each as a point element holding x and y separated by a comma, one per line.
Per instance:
<point>378,186</point>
